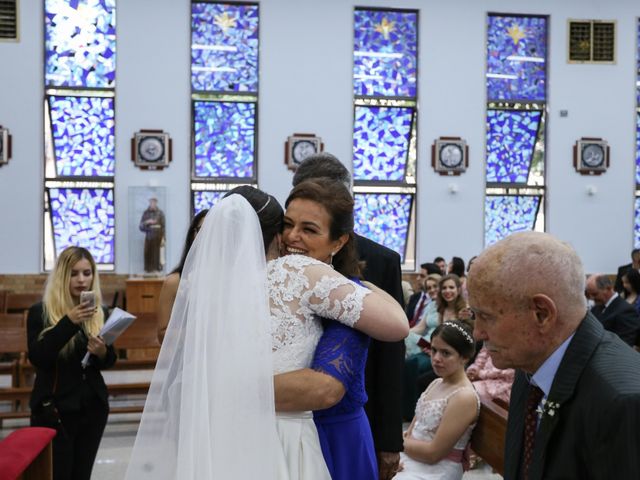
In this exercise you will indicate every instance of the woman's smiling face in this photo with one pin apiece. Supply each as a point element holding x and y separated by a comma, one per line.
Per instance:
<point>449,291</point>
<point>307,227</point>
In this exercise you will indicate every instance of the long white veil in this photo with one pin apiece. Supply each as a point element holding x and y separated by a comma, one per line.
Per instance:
<point>210,410</point>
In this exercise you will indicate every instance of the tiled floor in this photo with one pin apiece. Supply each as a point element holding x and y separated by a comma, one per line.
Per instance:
<point>119,436</point>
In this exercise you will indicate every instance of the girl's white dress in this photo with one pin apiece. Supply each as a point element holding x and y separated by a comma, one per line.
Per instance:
<point>301,292</point>
<point>428,417</point>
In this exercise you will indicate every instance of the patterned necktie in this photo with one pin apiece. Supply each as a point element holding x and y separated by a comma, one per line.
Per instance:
<point>418,311</point>
<point>530,427</point>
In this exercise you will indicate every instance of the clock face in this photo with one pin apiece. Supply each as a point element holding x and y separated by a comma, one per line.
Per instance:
<point>302,149</point>
<point>451,155</point>
<point>151,149</point>
<point>592,155</point>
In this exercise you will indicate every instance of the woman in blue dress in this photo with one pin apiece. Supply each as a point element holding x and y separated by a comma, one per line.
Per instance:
<point>319,213</point>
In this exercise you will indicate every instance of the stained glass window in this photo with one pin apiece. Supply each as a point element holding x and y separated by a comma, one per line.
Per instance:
<point>83,130</point>
<point>384,218</point>
<point>385,53</point>
<point>80,43</point>
<point>511,138</point>
<point>516,82</point>
<point>205,199</point>
<point>636,225</point>
<point>505,214</point>
<point>638,145</point>
<point>636,228</point>
<point>79,128</point>
<point>83,217</point>
<point>224,139</point>
<point>381,142</point>
<point>516,58</point>
<point>224,47</point>
<point>385,76</point>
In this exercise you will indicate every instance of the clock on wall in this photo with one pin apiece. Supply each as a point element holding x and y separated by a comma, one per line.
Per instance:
<point>5,146</point>
<point>299,146</point>
<point>591,156</point>
<point>450,155</point>
<point>151,149</point>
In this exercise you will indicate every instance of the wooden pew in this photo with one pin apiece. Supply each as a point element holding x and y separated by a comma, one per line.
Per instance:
<point>13,345</point>
<point>140,336</point>
<point>26,454</point>
<point>21,302</point>
<point>488,436</point>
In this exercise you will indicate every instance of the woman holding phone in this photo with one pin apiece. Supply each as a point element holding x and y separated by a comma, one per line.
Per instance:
<point>66,396</point>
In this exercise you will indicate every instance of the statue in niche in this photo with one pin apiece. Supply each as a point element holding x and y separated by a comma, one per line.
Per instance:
<point>152,224</point>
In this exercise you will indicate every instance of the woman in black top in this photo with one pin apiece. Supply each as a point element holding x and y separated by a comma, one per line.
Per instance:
<point>61,330</point>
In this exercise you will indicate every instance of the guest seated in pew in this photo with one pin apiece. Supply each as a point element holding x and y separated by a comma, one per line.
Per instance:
<point>490,381</point>
<point>67,396</point>
<point>170,285</point>
<point>446,412</point>
<point>631,284</point>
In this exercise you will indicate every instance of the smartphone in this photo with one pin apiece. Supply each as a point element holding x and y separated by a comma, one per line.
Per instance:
<point>88,296</point>
<point>422,343</point>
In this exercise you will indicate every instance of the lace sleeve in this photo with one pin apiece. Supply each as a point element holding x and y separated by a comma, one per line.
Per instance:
<point>333,296</point>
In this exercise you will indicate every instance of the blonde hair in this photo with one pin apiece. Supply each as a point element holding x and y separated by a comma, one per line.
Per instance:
<point>57,299</point>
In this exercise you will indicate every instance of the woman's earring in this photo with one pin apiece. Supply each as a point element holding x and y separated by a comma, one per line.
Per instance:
<point>331,259</point>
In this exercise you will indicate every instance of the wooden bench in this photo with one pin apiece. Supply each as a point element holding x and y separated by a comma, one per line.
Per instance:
<point>13,344</point>
<point>140,336</point>
<point>21,302</point>
<point>488,436</point>
<point>26,454</point>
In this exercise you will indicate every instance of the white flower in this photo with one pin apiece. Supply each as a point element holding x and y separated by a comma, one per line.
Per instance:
<point>547,408</point>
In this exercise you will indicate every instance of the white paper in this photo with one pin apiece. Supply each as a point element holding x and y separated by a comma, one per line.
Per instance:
<point>118,322</point>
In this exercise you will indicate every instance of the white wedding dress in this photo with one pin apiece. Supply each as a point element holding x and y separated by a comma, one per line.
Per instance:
<point>301,291</point>
<point>210,410</point>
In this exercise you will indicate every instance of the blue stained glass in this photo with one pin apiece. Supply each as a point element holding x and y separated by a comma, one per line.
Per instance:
<point>638,149</point>
<point>511,137</point>
<point>224,136</point>
<point>83,135</point>
<point>636,227</point>
<point>385,53</point>
<point>80,43</point>
<point>384,218</point>
<point>507,214</point>
<point>224,47</point>
<point>381,142</point>
<point>205,199</point>
<point>516,58</point>
<point>84,217</point>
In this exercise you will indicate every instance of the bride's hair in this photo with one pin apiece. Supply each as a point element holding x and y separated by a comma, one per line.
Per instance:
<point>268,209</point>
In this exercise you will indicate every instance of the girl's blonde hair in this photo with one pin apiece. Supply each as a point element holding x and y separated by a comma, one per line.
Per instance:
<point>57,296</point>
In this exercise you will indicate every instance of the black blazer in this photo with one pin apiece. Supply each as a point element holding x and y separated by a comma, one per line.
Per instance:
<point>620,318</point>
<point>385,362</point>
<point>75,384</point>
<point>594,432</point>
<point>412,304</point>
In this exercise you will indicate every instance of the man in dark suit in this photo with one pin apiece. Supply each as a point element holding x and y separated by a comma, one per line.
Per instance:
<point>615,314</point>
<point>420,295</point>
<point>527,292</point>
<point>385,362</point>
<point>635,263</point>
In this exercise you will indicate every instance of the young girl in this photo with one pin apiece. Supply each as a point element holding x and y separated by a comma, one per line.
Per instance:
<point>446,412</point>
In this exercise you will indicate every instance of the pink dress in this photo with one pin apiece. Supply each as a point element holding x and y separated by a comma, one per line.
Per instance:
<point>488,380</point>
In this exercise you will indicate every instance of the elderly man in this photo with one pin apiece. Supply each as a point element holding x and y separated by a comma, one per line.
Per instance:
<point>575,403</point>
<point>612,310</point>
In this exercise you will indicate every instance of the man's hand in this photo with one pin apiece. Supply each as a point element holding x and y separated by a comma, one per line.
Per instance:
<point>388,463</point>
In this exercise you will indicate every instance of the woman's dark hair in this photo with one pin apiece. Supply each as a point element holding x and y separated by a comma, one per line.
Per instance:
<point>188,241</point>
<point>268,209</point>
<point>338,202</point>
<point>471,260</point>
<point>457,266</point>
<point>459,335</point>
<point>459,303</point>
<point>633,276</point>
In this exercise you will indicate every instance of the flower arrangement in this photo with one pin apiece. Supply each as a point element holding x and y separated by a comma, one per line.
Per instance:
<point>547,408</point>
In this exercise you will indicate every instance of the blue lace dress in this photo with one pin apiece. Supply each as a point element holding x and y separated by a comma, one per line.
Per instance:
<point>344,431</point>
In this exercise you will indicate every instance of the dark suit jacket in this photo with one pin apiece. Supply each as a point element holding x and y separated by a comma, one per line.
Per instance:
<point>385,364</point>
<point>594,432</point>
<point>621,271</point>
<point>412,304</point>
<point>74,383</point>
<point>620,318</point>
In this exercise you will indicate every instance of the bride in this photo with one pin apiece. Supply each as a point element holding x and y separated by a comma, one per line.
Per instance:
<point>210,409</point>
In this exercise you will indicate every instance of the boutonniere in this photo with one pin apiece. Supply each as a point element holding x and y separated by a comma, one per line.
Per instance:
<point>547,408</point>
